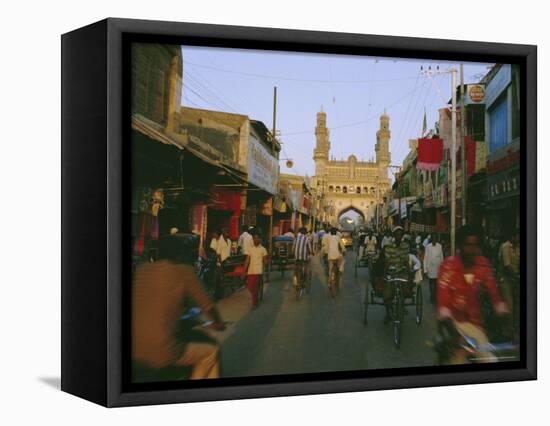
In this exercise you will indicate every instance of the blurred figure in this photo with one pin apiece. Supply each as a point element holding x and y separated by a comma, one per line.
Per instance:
<point>433,258</point>
<point>387,239</point>
<point>427,241</point>
<point>289,233</point>
<point>302,249</point>
<point>159,293</point>
<point>460,281</point>
<point>224,245</point>
<point>368,244</point>
<point>509,256</point>
<point>256,258</point>
<point>415,266</point>
<point>245,239</point>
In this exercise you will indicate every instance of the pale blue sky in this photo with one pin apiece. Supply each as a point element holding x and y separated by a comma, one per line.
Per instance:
<point>353,90</point>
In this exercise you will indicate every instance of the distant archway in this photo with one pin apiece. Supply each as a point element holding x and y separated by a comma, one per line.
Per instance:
<point>353,213</point>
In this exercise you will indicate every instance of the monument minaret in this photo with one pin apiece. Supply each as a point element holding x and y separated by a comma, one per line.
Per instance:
<point>382,148</point>
<point>322,147</point>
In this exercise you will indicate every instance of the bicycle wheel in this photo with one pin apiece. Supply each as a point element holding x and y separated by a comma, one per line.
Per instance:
<point>397,334</point>
<point>419,301</point>
<point>398,319</point>
<point>366,305</point>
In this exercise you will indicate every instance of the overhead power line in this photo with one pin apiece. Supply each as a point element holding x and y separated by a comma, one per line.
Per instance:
<point>356,123</point>
<point>275,77</point>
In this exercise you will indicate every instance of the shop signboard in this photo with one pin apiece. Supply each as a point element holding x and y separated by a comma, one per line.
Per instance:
<point>475,94</point>
<point>393,207</point>
<point>503,184</point>
<point>267,207</point>
<point>498,84</point>
<point>403,209</point>
<point>263,168</point>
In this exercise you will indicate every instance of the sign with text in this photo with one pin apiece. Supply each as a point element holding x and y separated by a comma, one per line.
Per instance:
<point>475,94</point>
<point>263,168</point>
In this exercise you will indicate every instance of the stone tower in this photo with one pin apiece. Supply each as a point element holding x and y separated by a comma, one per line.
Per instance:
<point>322,147</point>
<point>382,148</point>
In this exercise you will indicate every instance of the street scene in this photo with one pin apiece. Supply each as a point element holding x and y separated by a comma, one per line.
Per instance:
<point>306,213</point>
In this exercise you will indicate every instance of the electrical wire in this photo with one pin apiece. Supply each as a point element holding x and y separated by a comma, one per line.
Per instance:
<point>274,77</point>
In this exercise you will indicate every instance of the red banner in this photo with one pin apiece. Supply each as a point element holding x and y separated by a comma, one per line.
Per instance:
<point>430,154</point>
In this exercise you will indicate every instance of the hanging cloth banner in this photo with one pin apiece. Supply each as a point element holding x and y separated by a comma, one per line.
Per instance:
<point>430,154</point>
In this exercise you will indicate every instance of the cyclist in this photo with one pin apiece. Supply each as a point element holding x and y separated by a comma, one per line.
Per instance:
<point>335,250</point>
<point>303,250</point>
<point>459,283</point>
<point>396,257</point>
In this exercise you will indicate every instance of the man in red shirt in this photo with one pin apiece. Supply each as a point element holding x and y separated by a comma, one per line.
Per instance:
<point>460,280</point>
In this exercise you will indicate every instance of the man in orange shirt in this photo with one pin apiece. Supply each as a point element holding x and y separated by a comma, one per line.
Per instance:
<point>159,291</point>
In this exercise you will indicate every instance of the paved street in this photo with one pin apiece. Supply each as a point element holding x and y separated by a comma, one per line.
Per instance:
<point>318,333</point>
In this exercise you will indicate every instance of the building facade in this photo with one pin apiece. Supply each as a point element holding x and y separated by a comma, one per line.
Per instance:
<point>351,184</point>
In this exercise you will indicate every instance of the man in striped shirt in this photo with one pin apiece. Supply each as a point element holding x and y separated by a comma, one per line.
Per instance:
<point>302,249</point>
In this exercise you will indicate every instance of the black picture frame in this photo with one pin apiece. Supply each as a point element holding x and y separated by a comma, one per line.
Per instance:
<point>95,182</point>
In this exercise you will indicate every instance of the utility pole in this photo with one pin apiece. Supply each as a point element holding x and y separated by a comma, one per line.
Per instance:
<point>453,71</point>
<point>269,243</point>
<point>453,162</point>
<point>463,146</point>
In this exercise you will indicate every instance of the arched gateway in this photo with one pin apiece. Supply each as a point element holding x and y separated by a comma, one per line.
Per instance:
<point>351,184</point>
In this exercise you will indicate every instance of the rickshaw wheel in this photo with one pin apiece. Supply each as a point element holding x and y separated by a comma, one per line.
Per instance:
<point>366,303</point>
<point>419,304</point>
<point>397,334</point>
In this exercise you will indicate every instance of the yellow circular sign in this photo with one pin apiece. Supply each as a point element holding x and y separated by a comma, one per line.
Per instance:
<point>477,93</point>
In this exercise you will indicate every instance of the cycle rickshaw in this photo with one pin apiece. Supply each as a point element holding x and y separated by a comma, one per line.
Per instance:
<point>406,294</point>
<point>281,253</point>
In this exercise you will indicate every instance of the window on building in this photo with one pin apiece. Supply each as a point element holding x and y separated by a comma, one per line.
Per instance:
<point>498,124</point>
<point>365,190</point>
<point>345,189</point>
<point>338,189</point>
<point>331,188</point>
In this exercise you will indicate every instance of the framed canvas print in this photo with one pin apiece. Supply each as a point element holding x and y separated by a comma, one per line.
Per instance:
<point>253,212</point>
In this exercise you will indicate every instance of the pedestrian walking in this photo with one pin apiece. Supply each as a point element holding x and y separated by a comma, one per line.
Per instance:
<point>256,259</point>
<point>433,258</point>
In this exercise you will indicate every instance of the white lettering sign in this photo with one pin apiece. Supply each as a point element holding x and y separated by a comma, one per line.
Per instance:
<point>263,170</point>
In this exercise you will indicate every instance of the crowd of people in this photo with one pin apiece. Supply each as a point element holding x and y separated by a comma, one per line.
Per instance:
<point>456,284</point>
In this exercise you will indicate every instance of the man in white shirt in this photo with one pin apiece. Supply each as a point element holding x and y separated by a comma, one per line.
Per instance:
<point>427,241</point>
<point>256,258</point>
<point>388,239</point>
<point>245,239</point>
<point>335,249</point>
<point>214,242</point>
<point>433,257</point>
<point>223,249</point>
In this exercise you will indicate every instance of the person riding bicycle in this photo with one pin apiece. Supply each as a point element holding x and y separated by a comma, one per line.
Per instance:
<point>334,248</point>
<point>159,293</point>
<point>458,288</point>
<point>396,261</point>
<point>370,243</point>
<point>303,250</point>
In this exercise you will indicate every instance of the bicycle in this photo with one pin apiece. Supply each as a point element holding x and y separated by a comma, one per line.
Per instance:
<point>334,277</point>
<point>302,277</point>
